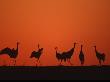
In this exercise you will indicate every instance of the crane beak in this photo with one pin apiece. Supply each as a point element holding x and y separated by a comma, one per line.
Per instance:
<point>56,48</point>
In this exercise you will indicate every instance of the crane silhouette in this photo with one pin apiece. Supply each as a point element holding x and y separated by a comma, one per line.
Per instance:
<point>37,54</point>
<point>100,56</point>
<point>65,56</point>
<point>59,56</point>
<point>12,53</point>
<point>81,56</point>
<point>69,54</point>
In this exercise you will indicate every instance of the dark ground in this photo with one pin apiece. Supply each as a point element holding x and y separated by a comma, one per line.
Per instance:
<point>55,73</point>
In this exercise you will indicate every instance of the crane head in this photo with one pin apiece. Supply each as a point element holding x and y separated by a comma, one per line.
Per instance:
<point>94,46</point>
<point>56,48</point>
<point>41,50</point>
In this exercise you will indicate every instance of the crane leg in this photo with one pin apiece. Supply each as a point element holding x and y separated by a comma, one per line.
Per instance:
<point>99,62</point>
<point>14,61</point>
<point>36,62</point>
<point>60,62</point>
<point>39,62</point>
<point>10,63</point>
<point>82,62</point>
<point>69,62</point>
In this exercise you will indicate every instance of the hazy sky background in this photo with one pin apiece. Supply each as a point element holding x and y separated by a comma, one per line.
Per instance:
<point>55,23</point>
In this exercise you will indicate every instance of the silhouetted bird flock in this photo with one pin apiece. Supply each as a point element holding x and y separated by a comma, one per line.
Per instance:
<point>64,56</point>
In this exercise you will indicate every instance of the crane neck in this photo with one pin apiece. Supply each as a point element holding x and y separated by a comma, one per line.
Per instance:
<point>17,47</point>
<point>56,51</point>
<point>95,49</point>
<point>74,45</point>
<point>81,48</point>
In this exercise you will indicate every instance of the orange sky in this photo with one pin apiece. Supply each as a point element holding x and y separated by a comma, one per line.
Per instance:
<point>55,23</point>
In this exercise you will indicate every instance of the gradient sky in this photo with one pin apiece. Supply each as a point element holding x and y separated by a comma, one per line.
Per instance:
<point>55,23</point>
